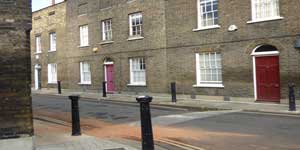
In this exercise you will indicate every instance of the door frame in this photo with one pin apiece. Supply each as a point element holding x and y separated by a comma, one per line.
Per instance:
<point>37,67</point>
<point>105,64</point>
<point>260,54</point>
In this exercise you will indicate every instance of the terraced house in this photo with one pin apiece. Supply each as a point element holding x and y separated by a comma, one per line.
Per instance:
<point>246,50</point>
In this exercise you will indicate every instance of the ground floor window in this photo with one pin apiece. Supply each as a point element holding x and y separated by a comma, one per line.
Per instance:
<point>52,73</point>
<point>85,73</point>
<point>209,69</point>
<point>137,71</point>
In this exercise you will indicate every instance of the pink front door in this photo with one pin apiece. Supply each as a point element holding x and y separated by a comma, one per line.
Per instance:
<point>110,78</point>
<point>268,80</point>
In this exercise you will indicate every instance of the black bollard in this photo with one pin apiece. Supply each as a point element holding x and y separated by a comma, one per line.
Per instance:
<point>173,92</point>
<point>146,125</point>
<point>292,102</point>
<point>59,87</point>
<point>104,88</point>
<point>75,115</point>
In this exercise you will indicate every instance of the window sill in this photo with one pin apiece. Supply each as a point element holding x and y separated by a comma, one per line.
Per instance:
<point>83,46</point>
<point>52,83</point>
<point>209,85</point>
<point>207,28</point>
<point>38,53</point>
<point>102,9</point>
<point>135,38</point>
<point>106,42</point>
<point>81,15</point>
<point>50,51</point>
<point>138,85</point>
<point>85,83</point>
<point>265,20</point>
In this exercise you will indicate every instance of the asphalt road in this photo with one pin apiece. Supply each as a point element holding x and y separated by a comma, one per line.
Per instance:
<point>196,130</point>
<point>112,112</point>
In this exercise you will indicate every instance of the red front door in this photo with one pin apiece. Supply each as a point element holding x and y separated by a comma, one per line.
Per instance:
<point>110,78</point>
<point>267,78</point>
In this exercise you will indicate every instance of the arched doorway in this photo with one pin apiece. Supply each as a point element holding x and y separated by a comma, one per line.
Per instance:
<point>266,73</point>
<point>109,75</point>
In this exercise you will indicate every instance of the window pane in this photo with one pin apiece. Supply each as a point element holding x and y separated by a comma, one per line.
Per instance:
<point>138,71</point>
<point>210,67</point>
<point>136,24</point>
<point>208,12</point>
<point>265,8</point>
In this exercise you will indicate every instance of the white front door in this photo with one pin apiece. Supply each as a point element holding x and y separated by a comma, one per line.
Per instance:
<point>37,77</point>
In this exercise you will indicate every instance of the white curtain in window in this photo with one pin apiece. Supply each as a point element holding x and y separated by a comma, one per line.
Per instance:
<point>210,68</point>
<point>38,44</point>
<point>84,35</point>
<point>52,73</point>
<point>52,41</point>
<point>265,9</point>
<point>137,71</point>
<point>85,73</point>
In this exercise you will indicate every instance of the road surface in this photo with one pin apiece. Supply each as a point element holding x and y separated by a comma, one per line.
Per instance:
<point>179,129</point>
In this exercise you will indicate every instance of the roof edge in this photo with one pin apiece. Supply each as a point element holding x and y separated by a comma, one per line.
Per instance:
<point>49,6</point>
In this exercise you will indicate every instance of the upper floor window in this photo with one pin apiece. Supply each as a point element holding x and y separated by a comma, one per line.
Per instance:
<point>208,13</point>
<point>265,9</point>
<point>84,35</point>
<point>209,69</point>
<point>85,73</point>
<point>137,71</point>
<point>135,25</point>
<point>52,73</point>
<point>107,30</point>
<point>52,41</point>
<point>38,44</point>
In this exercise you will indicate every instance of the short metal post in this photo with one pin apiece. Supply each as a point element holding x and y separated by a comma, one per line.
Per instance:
<point>173,92</point>
<point>104,88</point>
<point>292,102</point>
<point>59,87</point>
<point>146,125</point>
<point>75,115</point>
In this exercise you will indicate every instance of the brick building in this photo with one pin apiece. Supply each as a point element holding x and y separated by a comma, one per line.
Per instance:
<point>16,128</point>
<point>48,27</point>
<point>232,50</point>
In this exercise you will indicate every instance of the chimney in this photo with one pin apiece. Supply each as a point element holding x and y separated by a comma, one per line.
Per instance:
<point>53,2</point>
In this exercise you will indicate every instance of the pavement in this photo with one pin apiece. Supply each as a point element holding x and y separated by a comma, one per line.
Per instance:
<point>52,136</point>
<point>183,101</point>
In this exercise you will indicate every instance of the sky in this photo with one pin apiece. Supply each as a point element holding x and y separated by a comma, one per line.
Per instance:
<point>39,4</point>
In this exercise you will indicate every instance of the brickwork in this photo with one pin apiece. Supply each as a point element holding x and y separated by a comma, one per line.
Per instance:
<point>235,47</point>
<point>169,45</point>
<point>15,99</point>
<point>152,47</point>
<point>46,21</point>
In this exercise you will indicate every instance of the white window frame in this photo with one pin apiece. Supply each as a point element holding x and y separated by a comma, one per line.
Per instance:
<point>82,73</point>
<point>84,35</point>
<point>52,38</point>
<point>107,30</point>
<point>135,16</point>
<point>199,17</point>
<point>38,44</point>
<point>52,73</point>
<point>138,70</point>
<point>268,18</point>
<point>201,83</point>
